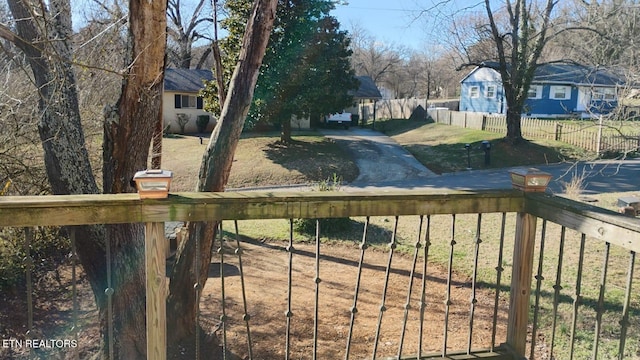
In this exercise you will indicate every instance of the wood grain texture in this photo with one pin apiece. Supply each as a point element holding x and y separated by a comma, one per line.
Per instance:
<point>156,287</point>
<point>201,206</point>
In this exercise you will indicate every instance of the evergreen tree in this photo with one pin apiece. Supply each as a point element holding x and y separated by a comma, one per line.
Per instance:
<point>306,71</point>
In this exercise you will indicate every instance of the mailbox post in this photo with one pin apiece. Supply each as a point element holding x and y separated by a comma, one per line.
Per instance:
<point>468,148</point>
<point>486,147</point>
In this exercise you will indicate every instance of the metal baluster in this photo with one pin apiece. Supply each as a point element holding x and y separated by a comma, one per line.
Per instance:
<point>28,239</point>
<point>246,317</point>
<point>556,293</point>
<point>624,322</point>
<point>289,313</point>
<point>447,302</point>
<point>74,290</point>
<point>499,270</point>
<point>539,279</point>
<point>223,317</point>
<point>197,288</point>
<point>600,307</point>
<point>474,300</point>
<point>577,295</point>
<point>109,292</point>
<point>423,302</point>
<point>407,305</point>
<point>392,246</point>
<point>317,299</point>
<point>354,308</point>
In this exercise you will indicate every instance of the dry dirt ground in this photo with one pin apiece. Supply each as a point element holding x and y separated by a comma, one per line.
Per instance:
<point>265,271</point>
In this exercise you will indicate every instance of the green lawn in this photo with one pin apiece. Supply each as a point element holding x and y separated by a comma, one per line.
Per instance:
<point>441,148</point>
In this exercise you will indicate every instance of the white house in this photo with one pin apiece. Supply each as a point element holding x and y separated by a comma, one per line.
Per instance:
<point>181,105</point>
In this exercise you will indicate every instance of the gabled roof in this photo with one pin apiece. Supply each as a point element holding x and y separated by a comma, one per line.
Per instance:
<point>367,89</point>
<point>188,80</point>
<point>567,74</point>
<point>576,74</point>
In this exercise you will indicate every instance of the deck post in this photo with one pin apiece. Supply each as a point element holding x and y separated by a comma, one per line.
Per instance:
<point>154,256</point>
<point>523,251</point>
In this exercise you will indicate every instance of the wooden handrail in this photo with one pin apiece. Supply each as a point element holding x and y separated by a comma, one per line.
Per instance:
<point>593,221</point>
<point>598,223</point>
<point>128,208</point>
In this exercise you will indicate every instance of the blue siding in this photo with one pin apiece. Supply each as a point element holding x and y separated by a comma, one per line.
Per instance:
<point>482,103</point>
<point>549,106</point>
<point>482,77</point>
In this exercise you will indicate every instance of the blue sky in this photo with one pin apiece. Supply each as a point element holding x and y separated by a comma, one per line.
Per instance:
<point>395,21</point>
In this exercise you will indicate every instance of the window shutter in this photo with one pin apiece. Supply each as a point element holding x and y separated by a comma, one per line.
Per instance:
<point>178,101</point>
<point>199,104</point>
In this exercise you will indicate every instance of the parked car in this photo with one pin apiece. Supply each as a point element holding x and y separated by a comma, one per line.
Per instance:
<point>340,119</point>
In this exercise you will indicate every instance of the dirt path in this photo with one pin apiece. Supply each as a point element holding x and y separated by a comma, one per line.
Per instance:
<point>265,268</point>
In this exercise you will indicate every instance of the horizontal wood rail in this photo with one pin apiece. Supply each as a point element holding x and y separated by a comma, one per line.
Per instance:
<point>602,224</point>
<point>128,208</point>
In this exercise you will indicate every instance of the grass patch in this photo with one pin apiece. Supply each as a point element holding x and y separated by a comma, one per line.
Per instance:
<point>441,148</point>
<point>260,160</point>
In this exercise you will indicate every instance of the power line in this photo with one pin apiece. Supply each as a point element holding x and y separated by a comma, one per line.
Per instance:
<point>378,9</point>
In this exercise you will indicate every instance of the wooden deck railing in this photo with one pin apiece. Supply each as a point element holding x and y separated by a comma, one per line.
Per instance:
<point>516,214</point>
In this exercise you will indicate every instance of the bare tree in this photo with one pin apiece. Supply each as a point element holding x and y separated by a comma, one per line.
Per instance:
<point>185,31</point>
<point>517,43</point>
<point>216,166</point>
<point>604,33</point>
<point>374,58</point>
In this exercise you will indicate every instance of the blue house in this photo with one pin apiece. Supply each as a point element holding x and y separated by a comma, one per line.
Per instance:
<point>557,90</point>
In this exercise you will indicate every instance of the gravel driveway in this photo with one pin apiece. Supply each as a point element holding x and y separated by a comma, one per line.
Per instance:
<point>379,158</point>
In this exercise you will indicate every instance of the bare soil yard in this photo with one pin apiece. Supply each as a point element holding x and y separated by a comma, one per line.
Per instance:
<point>265,268</point>
<point>261,160</point>
<point>266,271</point>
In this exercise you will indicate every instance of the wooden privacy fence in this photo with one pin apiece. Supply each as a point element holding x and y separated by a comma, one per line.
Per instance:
<point>400,108</point>
<point>476,263</point>
<point>590,136</point>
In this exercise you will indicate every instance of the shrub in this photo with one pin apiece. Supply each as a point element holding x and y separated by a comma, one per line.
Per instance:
<point>201,122</point>
<point>355,118</point>
<point>329,225</point>
<point>182,120</point>
<point>48,250</point>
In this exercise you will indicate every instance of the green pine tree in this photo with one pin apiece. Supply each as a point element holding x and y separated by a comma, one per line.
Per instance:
<point>306,71</point>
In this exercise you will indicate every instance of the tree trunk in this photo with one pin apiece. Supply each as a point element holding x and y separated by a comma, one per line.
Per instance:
<point>514,130</point>
<point>66,158</point>
<point>214,172</point>
<point>285,131</point>
<point>127,137</point>
<point>69,172</point>
<point>156,146</point>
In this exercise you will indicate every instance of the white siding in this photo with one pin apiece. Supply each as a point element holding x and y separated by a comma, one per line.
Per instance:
<point>170,114</point>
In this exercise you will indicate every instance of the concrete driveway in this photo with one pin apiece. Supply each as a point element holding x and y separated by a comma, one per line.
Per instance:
<point>379,158</point>
<point>385,165</point>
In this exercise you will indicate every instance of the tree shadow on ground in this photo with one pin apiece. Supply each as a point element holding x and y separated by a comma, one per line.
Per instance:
<point>454,157</point>
<point>316,160</point>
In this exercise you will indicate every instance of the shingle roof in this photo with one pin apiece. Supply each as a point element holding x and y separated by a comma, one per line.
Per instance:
<point>367,89</point>
<point>569,74</point>
<point>576,74</point>
<point>190,80</point>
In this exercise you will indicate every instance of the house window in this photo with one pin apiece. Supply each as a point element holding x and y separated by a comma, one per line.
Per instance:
<point>605,94</point>
<point>535,92</point>
<point>560,92</point>
<point>188,102</point>
<point>490,91</point>
<point>474,92</point>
